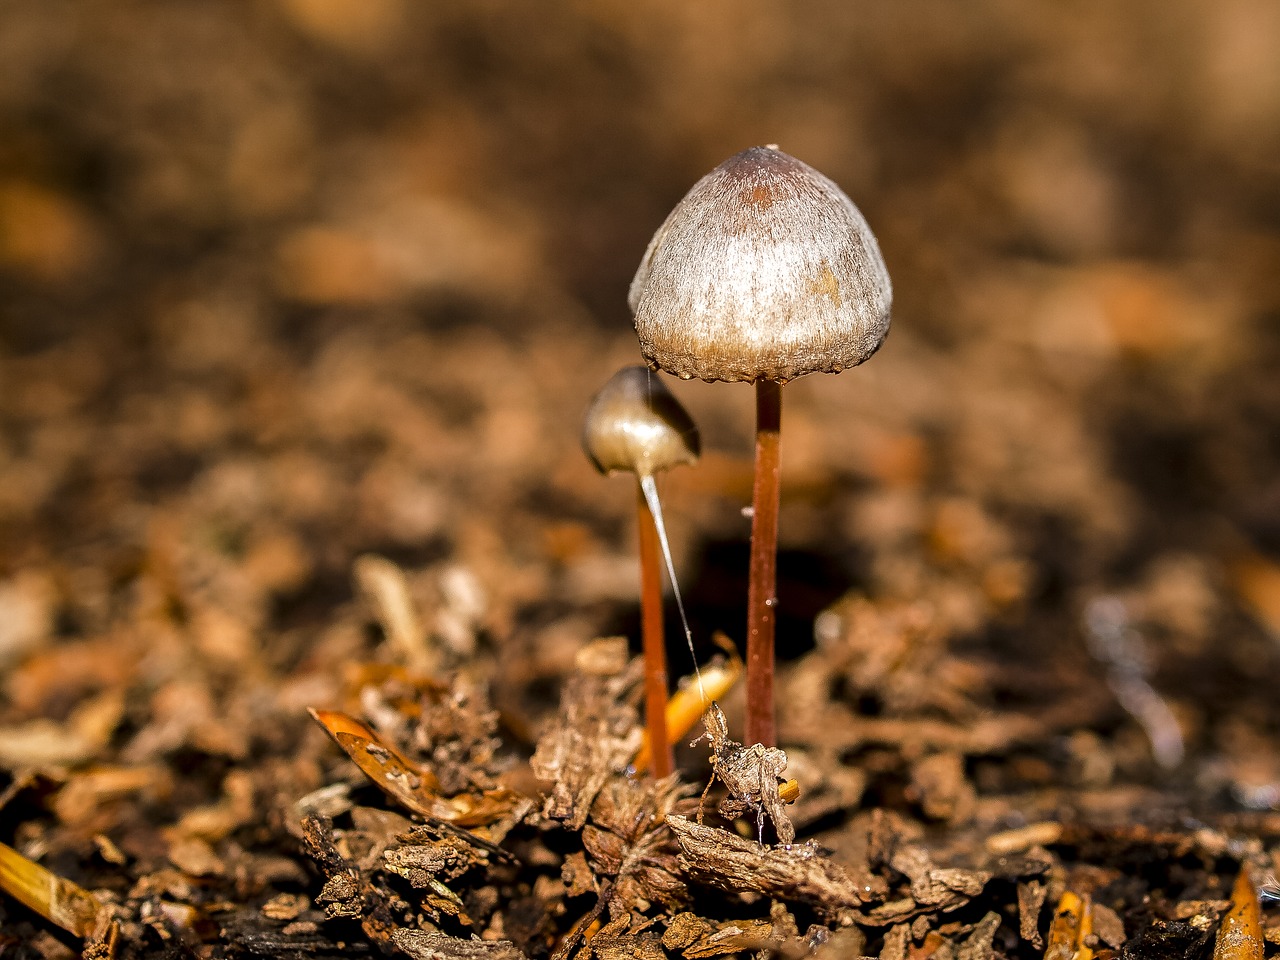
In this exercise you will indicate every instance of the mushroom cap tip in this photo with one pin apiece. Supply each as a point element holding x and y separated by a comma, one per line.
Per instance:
<point>635,424</point>
<point>765,270</point>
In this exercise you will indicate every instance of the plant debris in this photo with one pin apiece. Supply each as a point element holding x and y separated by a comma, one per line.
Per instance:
<point>725,860</point>
<point>752,775</point>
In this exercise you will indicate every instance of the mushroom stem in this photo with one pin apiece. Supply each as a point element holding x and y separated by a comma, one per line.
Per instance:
<point>655,646</point>
<point>762,588</point>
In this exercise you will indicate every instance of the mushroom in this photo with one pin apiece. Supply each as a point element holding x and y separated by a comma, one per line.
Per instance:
<point>635,424</point>
<point>764,272</point>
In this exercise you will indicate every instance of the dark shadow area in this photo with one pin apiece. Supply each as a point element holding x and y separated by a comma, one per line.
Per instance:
<point>715,598</point>
<point>1166,462</point>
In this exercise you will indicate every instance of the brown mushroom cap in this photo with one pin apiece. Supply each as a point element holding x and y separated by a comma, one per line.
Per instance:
<point>636,424</point>
<point>764,271</point>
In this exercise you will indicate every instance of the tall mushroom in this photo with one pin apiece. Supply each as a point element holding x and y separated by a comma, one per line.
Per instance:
<point>764,272</point>
<point>635,424</point>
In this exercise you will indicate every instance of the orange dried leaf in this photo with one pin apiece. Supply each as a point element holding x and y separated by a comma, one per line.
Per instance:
<point>410,784</point>
<point>1257,582</point>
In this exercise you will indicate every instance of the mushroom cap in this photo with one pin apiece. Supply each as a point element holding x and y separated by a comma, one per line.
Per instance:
<point>636,424</point>
<point>764,271</point>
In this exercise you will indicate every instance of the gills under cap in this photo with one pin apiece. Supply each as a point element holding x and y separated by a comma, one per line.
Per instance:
<point>764,271</point>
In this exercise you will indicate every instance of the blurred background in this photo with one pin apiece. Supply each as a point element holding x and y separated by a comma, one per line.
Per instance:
<point>288,282</point>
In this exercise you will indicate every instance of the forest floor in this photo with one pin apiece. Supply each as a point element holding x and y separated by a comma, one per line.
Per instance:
<point>318,632</point>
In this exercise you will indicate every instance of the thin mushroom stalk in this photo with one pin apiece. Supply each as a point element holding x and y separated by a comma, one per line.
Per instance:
<point>653,639</point>
<point>635,424</point>
<point>762,585</point>
<point>764,272</point>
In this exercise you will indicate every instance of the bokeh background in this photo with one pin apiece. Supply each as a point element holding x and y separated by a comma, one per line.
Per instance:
<point>289,282</point>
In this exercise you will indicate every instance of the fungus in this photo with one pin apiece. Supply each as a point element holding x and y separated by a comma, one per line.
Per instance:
<point>635,424</point>
<point>764,272</point>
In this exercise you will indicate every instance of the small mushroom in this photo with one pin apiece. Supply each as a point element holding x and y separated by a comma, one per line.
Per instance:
<point>764,272</point>
<point>635,424</point>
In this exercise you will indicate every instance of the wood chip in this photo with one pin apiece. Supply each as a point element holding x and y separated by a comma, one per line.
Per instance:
<point>1107,926</point>
<point>594,739</point>
<point>433,945</point>
<point>645,946</point>
<point>1024,838</point>
<point>194,856</point>
<point>896,942</point>
<point>577,876</point>
<point>696,937</point>
<point>940,787</point>
<point>726,861</point>
<point>940,887</point>
<point>1031,896</point>
<point>285,906</point>
<point>978,945</point>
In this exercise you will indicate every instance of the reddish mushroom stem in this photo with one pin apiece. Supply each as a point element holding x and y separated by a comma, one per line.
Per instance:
<point>762,589</point>
<point>655,646</point>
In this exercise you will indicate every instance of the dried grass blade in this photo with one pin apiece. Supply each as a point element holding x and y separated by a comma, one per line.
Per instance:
<point>1240,934</point>
<point>1068,929</point>
<point>55,898</point>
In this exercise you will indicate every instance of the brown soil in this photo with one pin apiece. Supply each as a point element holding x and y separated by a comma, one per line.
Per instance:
<point>301,305</point>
